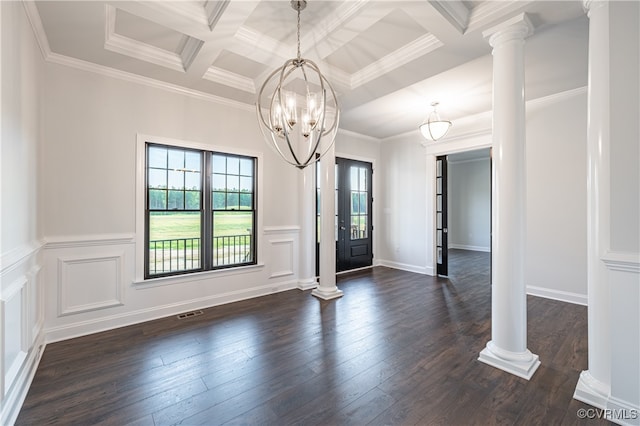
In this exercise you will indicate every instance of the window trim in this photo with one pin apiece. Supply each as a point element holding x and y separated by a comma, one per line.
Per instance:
<point>140,200</point>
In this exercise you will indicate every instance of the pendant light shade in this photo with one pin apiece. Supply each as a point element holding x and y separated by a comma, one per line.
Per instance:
<point>298,109</point>
<point>433,127</point>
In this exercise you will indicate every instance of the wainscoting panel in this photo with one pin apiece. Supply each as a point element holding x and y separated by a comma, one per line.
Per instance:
<point>92,284</point>
<point>15,340</point>
<point>623,270</point>
<point>88,283</point>
<point>21,316</point>
<point>281,252</point>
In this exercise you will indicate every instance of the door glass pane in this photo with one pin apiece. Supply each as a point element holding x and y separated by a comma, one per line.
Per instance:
<point>363,179</point>
<point>439,168</point>
<point>439,186</point>
<point>363,203</point>
<point>355,201</point>
<point>439,203</point>
<point>439,254</point>
<point>353,178</point>
<point>354,228</point>
<point>439,220</point>
<point>439,237</point>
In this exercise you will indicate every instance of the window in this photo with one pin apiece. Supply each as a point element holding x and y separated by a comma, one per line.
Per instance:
<point>200,210</point>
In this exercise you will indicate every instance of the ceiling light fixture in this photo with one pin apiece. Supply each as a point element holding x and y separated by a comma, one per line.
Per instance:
<point>433,127</point>
<point>300,117</point>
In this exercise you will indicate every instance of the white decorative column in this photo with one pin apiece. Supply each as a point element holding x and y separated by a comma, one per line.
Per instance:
<point>594,384</point>
<point>507,349</point>
<point>327,288</point>
<point>307,273</point>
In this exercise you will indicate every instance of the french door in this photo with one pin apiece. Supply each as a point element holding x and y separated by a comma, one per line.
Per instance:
<point>442,237</point>
<point>353,215</point>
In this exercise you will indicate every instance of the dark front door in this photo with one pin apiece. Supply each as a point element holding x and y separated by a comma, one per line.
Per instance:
<point>442,240</point>
<point>353,214</point>
<point>353,217</point>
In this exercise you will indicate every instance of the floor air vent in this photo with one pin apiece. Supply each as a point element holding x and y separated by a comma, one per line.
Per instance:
<point>189,314</point>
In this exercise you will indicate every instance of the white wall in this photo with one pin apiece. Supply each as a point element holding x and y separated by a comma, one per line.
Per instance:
<point>20,233</point>
<point>623,255</point>
<point>556,255</point>
<point>469,204</point>
<point>556,195</point>
<point>406,195</point>
<point>91,123</point>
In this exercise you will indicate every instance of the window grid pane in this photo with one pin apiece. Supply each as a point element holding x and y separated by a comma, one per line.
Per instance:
<point>175,224</point>
<point>233,210</point>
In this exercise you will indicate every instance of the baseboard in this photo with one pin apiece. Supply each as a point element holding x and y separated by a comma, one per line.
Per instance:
<point>622,412</point>
<point>563,296</point>
<point>471,248</point>
<point>83,328</point>
<point>424,270</point>
<point>18,391</point>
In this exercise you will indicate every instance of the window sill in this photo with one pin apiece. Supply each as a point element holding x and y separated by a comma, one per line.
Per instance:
<point>195,276</point>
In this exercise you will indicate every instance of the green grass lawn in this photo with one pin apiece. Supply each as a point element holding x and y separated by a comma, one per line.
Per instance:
<point>173,225</point>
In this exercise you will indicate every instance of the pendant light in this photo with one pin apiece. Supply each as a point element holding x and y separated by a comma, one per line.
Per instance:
<point>298,109</point>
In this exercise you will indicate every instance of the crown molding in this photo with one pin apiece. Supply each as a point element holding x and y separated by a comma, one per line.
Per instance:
<point>188,10</point>
<point>214,10</point>
<point>36,25</point>
<point>231,79</point>
<point>146,81</point>
<point>189,51</point>
<point>454,11</point>
<point>417,48</point>
<point>345,132</point>
<point>556,97</point>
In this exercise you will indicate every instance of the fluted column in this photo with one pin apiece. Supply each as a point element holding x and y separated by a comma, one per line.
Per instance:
<point>307,271</point>
<point>594,384</point>
<point>507,349</point>
<point>327,288</point>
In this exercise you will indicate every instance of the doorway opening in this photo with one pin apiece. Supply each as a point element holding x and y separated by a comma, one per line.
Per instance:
<point>463,210</point>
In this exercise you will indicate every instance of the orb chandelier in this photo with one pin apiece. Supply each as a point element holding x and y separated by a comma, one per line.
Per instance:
<point>298,109</point>
<point>433,127</point>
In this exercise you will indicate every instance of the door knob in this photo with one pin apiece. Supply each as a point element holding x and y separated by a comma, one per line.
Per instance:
<point>342,228</point>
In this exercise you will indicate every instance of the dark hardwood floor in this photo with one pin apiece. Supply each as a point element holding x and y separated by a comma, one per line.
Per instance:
<point>398,348</point>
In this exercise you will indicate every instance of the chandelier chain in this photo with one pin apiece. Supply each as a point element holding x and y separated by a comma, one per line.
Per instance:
<point>299,56</point>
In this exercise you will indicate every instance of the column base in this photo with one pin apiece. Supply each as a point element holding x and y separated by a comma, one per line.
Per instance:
<point>307,284</point>
<point>521,364</point>
<point>327,295</point>
<point>591,391</point>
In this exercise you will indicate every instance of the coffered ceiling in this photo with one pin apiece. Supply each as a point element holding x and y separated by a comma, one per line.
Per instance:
<point>388,60</point>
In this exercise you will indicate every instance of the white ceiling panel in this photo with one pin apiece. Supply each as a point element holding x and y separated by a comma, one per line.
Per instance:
<point>387,59</point>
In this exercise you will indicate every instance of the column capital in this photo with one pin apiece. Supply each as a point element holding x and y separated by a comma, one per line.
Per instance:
<point>517,28</point>
<point>591,5</point>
